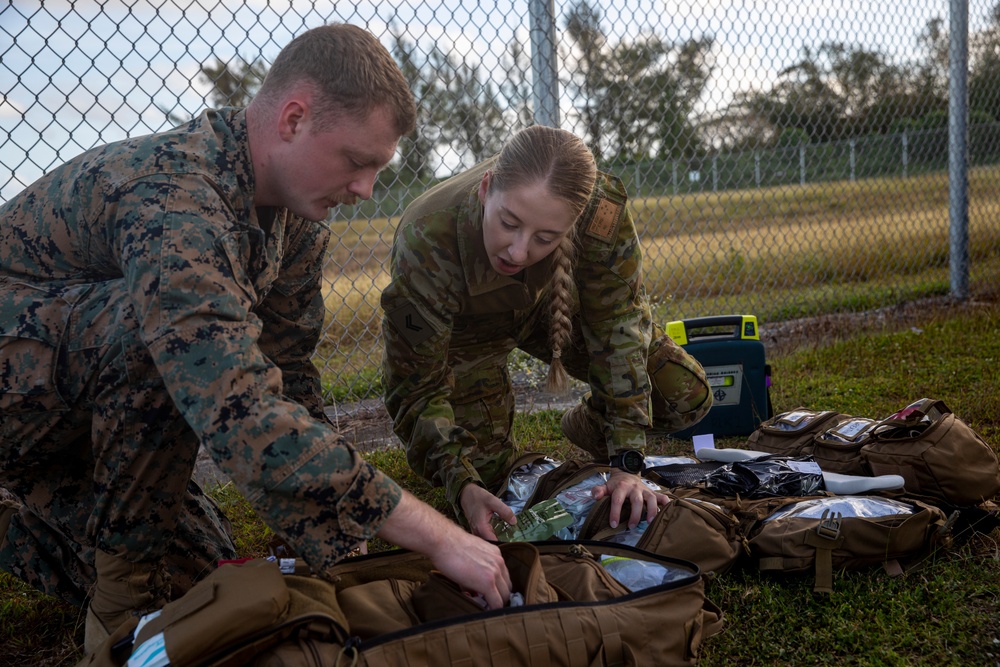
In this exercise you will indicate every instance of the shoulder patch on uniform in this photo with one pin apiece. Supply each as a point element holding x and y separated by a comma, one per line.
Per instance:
<point>604,223</point>
<point>411,324</point>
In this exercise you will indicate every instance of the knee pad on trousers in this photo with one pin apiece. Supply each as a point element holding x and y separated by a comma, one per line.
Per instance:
<point>681,395</point>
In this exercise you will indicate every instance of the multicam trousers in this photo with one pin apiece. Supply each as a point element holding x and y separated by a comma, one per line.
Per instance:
<point>483,397</point>
<point>95,451</point>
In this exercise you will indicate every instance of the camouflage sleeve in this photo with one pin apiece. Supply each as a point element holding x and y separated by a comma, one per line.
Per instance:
<point>185,257</point>
<point>416,330</point>
<point>616,315</point>
<point>292,314</point>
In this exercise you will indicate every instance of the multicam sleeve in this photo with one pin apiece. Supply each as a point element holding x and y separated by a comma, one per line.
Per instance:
<point>184,257</point>
<point>616,314</point>
<point>419,307</point>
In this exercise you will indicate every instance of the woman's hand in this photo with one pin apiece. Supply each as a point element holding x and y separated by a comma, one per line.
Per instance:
<point>479,506</point>
<point>622,485</point>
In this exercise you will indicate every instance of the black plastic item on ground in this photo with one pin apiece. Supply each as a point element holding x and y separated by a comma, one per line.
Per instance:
<point>681,474</point>
<point>767,476</point>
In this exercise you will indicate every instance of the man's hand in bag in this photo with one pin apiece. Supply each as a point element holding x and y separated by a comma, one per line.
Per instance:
<point>469,561</point>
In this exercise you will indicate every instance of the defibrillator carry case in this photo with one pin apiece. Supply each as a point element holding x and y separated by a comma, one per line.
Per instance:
<point>393,608</point>
<point>730,350</point>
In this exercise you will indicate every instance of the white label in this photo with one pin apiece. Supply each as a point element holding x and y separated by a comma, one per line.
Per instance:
<point>849,430</point>
<point>807,467</point>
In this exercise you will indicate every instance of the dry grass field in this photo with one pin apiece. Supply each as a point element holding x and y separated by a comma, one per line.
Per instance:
<point>780,253</point>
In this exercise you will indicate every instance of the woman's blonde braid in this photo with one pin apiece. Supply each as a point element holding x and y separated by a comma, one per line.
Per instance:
<point>561,323</point>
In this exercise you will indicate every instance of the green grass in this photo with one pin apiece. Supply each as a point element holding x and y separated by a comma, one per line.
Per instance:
<point>35,629</point>
<point>942,613</point>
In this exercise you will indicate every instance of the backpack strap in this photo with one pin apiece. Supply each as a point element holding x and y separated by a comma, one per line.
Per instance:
<point>825,539</point>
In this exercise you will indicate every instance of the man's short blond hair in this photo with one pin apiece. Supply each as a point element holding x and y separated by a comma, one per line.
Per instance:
<point>351,72</point>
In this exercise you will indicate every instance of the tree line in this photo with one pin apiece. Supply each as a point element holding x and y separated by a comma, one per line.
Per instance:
<point>636,98</point>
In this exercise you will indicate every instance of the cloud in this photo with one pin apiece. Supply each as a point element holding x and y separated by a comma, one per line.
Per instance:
<point>10,108</point>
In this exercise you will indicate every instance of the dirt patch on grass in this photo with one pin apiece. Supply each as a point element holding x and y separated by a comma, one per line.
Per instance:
<point>367,425</point>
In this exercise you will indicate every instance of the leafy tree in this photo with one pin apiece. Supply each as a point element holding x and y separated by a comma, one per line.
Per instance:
<point>476,118</point>
<point>416,148</point>
<point>839,91</point>
<point>515,87</point>
<point>589,61</point>
<point>931,80</point>
<point>456,106</point>
<point>984,61</point>
<point>636,98</point>
<point>233,83</point>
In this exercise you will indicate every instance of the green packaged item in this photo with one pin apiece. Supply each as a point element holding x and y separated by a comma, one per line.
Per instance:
<point>538,522</point>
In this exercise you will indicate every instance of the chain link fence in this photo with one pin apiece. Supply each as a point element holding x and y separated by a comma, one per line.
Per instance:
<point>785,159</point>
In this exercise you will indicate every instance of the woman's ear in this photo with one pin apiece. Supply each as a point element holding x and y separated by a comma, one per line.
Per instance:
<point>484,187</point>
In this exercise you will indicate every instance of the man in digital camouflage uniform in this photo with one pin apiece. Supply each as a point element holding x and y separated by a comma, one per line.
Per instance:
<point>164,292</point>
<point>451,322</point>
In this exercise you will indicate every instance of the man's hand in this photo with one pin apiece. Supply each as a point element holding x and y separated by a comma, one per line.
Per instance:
<point>479,506</point>
<point>622,485</point>
<point>469,561</point>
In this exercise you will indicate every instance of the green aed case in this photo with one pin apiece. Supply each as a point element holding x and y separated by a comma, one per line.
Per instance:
<point>730,350</point>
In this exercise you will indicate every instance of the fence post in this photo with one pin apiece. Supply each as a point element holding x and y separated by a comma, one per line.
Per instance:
<point>545,86</point>
<point>853,158</point>
<point>802,164</point>
<point>958,148</point>
<point>906,152</point>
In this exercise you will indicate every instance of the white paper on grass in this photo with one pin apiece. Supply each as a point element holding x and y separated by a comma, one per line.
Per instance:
<point>703,441</point>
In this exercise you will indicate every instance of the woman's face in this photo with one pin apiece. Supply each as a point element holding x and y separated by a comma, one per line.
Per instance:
<point>522,225</point>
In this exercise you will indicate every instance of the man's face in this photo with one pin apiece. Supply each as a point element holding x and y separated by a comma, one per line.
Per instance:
<point>522,225</point>
<point>323,169</point>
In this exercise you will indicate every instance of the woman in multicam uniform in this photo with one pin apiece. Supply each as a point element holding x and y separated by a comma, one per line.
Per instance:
<point>537,250</point>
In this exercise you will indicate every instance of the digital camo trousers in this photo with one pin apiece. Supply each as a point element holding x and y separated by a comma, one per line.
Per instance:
<point>93,448</point>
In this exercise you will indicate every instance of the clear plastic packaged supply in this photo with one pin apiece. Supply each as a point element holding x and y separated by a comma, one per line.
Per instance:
<point>638,575</point>
<point>846,506</point>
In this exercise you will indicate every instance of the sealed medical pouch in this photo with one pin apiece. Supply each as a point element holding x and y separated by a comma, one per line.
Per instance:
<point>937,454</point>
<point>827,534</point>
<point>838,448</point>
<point>694,529</point>
<point>393,608</point>
<point>791,433</point>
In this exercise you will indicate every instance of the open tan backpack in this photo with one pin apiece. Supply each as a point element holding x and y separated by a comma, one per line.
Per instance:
<point>392,608</point>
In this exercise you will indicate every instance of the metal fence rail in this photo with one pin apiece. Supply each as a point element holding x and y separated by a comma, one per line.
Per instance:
<point>783,159</point>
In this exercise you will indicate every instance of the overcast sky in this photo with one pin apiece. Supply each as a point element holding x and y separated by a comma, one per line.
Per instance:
<point>75,75</point>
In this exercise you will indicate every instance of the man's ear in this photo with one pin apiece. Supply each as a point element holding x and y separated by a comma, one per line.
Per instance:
<point>292,118</point>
